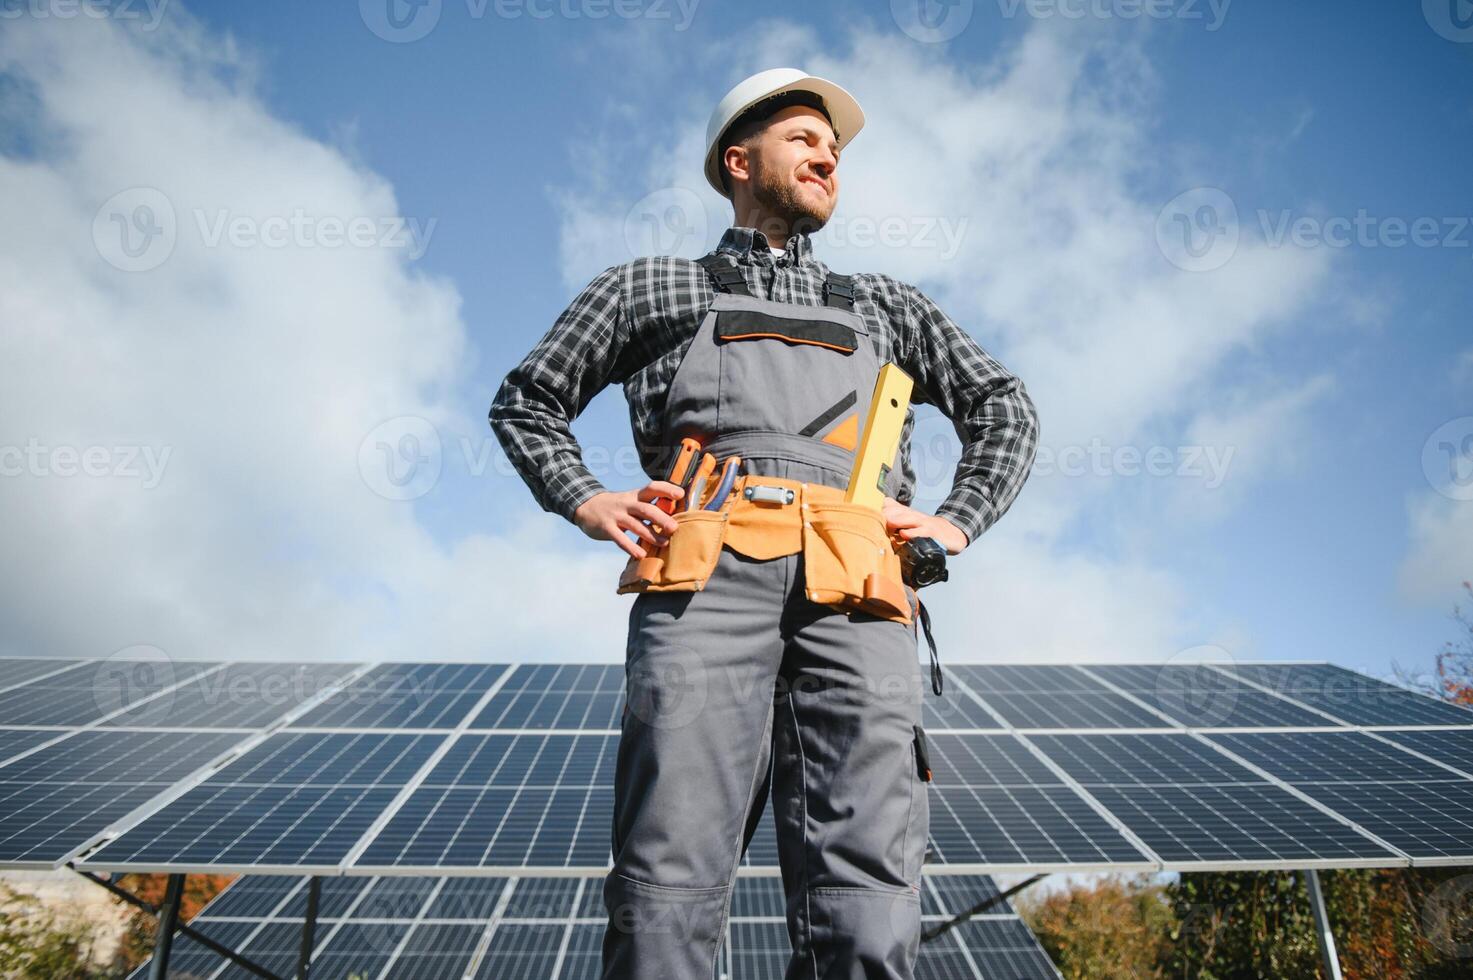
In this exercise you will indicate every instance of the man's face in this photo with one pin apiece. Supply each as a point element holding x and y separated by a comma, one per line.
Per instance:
<point>793,164</point>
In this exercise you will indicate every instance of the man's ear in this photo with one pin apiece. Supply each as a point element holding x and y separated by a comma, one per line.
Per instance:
<point>728,157</point>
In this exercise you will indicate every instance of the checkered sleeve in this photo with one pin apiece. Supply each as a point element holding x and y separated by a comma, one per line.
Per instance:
<point>995,419</point>
<point>538,401</point>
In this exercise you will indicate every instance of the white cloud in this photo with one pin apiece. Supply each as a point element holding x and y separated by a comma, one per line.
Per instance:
<point>1258,434</point>
<point>258,369</point>
<point>1437,560</point>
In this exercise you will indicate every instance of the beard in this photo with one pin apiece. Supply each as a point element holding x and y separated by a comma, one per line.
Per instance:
<point>782,197</point>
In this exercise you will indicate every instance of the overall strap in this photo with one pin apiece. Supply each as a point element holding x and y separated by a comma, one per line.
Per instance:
<point>838,291</point>
<point>724,271</point>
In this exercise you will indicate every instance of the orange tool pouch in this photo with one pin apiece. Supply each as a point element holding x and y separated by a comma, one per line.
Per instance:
<point>849,561</point>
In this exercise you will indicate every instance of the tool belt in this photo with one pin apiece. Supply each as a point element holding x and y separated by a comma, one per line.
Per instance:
<point>849,560</point>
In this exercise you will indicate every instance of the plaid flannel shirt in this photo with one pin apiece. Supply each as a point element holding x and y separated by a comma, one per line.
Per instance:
<point>633,323</point>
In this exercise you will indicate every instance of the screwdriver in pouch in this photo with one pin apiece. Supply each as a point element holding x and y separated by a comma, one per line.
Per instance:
<point>698,482</point>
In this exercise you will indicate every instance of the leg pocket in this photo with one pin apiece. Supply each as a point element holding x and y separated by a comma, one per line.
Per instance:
<point>919,828</point>
<point>685,562</point>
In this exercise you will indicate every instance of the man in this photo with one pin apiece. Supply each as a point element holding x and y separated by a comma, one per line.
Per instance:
<point>738,681</point>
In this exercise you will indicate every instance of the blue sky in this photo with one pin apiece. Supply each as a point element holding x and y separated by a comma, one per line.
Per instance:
<point>1065,151</point>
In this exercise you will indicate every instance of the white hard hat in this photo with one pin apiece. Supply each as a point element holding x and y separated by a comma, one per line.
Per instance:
<point>843,110</point>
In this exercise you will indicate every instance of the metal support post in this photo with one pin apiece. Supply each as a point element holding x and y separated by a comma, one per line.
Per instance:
<point>309,928</point>
<point>1322,926</point>
<point>163,940</point>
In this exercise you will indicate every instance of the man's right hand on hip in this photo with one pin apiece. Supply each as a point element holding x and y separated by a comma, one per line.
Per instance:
<point>606,516</point>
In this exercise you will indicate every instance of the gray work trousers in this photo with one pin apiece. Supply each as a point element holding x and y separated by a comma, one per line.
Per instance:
<point>719,684</point>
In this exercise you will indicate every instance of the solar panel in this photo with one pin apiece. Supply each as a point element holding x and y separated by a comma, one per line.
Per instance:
<point>19,671</point>
<point>1201,696</point>
<point>1005,949</point>
<point>431,696</point>
<point>506,801</point>
<point>1351,697</point>
<point>1420,809</point>
<point>296,800</point>
<point>524,795</point>
<point>995,804</point>
<point>580,696</point>
<point>14,741</point>
<point>1452,748</point>
<point>244,695</point>
<point>1056,697</point>
<point>93,690</point>
<point>955,709</point>
<point>438,950</point>
<point>1191,805</point>
<point>555,929</point>
<point>59,798</point>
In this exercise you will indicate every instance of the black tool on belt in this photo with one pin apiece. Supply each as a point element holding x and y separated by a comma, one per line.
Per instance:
<point>923,563</point>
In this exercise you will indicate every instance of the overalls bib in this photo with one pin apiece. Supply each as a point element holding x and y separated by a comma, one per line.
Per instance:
<point>786,386</point>
<point>741,677</point>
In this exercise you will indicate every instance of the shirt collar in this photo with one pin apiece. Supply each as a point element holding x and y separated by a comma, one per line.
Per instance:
<point>750,242</point>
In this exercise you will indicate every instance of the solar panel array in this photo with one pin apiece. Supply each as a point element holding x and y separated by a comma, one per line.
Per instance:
<point>419,769</point>
<point>518,928</point>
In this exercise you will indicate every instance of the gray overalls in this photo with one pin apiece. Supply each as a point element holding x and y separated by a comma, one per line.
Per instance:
<point>747,685</point>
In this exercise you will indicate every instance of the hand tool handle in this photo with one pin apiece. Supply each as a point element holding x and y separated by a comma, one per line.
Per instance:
<point>678,472</point>
<point>728,477</point>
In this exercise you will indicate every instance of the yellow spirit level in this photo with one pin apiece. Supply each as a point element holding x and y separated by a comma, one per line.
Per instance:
<point>881,439</point>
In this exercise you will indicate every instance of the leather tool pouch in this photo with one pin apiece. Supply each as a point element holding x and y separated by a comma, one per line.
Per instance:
<point>685,562</point>
<point>848,561</point>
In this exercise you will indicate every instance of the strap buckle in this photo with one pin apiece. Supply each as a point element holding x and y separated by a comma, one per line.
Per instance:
<point>760,493</point>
